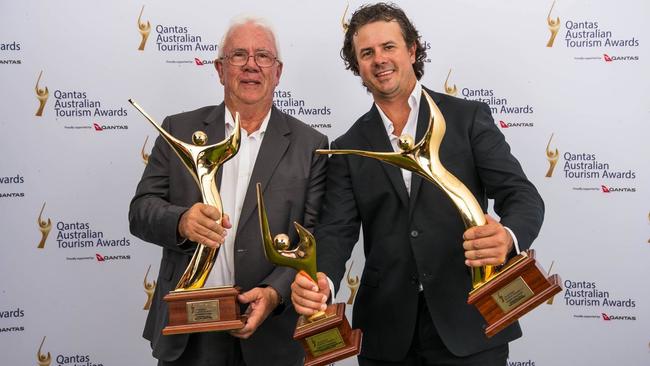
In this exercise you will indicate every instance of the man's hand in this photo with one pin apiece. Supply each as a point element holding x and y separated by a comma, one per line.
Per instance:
<point>308,297</point>
<point>262,301</point>
<point>199,224</point>
<point>487,245</point>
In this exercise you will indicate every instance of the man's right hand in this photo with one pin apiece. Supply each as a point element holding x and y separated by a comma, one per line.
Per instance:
<point>308,297</point>
<point>199,224</point>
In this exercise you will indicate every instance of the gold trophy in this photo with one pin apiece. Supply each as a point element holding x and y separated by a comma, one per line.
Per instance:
<point>44,227</point>
<point>325,336</point>
<point>41,95</point>
<point>552,157</point>
<point>144,29</point>
<point>501,297</point>
<point>553,26</point>
<point>193,308</point>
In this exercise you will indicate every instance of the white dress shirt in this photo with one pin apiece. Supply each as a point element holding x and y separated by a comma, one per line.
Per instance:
<point>234,183</point>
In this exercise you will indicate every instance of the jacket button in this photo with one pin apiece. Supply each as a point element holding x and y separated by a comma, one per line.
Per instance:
<point>414,233</point>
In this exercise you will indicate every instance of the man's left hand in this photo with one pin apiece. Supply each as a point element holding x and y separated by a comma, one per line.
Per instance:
<point>261,302</point>
<point>487,245</point>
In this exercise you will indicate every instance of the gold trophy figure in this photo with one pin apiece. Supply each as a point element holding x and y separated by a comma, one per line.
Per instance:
<point>450,90</point>
<point>42,358</point>
<point>149,288</point>
<point>44,227</point>
<point>145,155</point>
<point>552,157</point>
<point>144,29</point>
<point>41,95</point>
<point>326,336</point>
<point>502,297</point>
<point>553,26</point>
<point>193,308</point>
<point>353,284</point>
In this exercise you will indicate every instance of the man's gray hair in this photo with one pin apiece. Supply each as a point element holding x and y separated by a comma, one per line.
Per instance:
<point>245,19</point>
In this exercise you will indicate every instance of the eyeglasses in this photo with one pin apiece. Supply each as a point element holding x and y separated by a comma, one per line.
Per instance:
<point>240,58</point>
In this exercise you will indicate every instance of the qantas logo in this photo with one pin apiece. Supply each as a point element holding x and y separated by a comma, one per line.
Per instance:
<point>100,128</point>
<point>608,189</point>
<point>97,127</point>
<point>504,124</point>
<point>617,317</point>
<point>609,58</point>
<point>106,258</point>
<point>200,62</point>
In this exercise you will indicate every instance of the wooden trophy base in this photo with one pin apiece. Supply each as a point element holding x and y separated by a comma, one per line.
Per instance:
<point>203,310</point>
<point>329,339</point>
<point>518,288</point>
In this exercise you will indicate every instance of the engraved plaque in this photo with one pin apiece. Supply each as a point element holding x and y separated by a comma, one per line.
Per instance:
<point>512,294</point>
<point>202,311</point>
<point>325,342</point>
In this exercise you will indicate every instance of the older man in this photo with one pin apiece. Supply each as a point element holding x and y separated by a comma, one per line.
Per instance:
<point>277,151</point>
<point>411,303</point>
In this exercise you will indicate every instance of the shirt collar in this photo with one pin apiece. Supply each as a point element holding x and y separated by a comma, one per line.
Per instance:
<point>230,124</point>
<point>413,102</point>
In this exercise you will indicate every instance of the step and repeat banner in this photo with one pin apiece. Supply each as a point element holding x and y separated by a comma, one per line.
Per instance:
<point>567,82</point>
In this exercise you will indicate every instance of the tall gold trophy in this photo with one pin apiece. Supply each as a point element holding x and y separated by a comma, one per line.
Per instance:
<point>192,307</point>
<point>501,296</point>
<point>325,336</point>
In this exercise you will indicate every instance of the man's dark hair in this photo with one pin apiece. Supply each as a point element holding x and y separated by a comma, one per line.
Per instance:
<point>382,12</point>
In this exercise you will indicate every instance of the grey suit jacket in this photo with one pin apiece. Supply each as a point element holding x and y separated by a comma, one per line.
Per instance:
<point>417,239</point>
<point>293,183</point>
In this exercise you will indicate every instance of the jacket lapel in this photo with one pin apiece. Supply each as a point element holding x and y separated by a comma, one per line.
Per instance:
<point>377,138</point>
<point>274,145</point>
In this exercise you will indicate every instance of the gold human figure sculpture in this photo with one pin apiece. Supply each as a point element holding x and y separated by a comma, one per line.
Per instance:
<point>144,29</point>
<point>353,284</point>
<point>41,95</point>
<point>552,157</point>
<point>553,26</point>
<point>145,156</point>
<point>448,89</point>
<point>41,358</point>
<point>44,227</point>
<point>278,250</point>
<point>423,159</point>
<point>202,162</point>
<point>149,288</point>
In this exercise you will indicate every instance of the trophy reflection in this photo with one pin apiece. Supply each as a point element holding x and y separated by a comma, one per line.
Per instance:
<point>193,308</point>
<point>501,297</point>
<point>44,227</point>
<point>326,336</point>
<point>553,26</point>
<point>41,95</point>
<point>144,29</point>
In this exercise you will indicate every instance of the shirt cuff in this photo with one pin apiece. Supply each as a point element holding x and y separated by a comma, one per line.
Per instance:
<point>514,239</point>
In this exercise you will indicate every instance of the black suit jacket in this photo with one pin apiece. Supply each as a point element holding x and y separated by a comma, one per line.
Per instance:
<point>418,238</point>
<point>293,180</point>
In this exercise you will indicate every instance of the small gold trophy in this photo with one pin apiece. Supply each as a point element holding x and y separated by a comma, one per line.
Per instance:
<point>501,297</point>
<point>193,308</point>
<point>552,156</point>
<point>149,289</point>
<point>325,336</point>
<point>41,94</point>
<point>44,227</point>
<point>144,29</point>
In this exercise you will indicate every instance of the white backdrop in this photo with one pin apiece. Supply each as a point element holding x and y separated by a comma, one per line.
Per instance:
<point>80,297</point>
